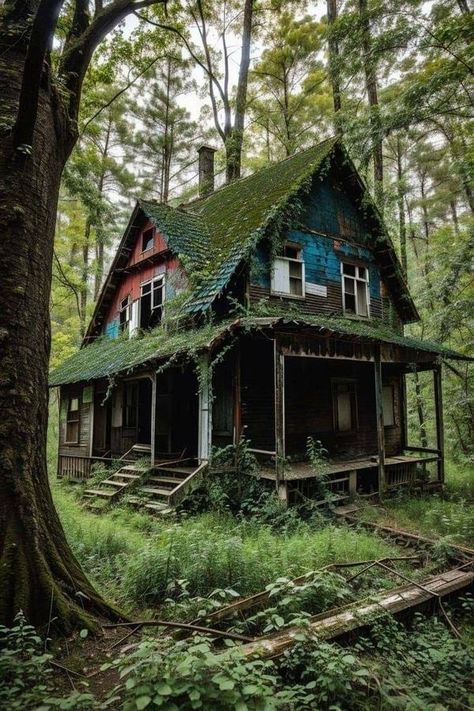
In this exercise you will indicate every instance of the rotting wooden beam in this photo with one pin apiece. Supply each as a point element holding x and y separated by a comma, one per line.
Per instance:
<point>356,617</point>
<point>279,378</point>
<point>260,598</point>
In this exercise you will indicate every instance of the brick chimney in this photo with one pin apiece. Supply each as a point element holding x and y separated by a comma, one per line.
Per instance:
<point>206,170</point>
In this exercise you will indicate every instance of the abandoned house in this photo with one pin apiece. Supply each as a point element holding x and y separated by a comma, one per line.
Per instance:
<point>270,310</point>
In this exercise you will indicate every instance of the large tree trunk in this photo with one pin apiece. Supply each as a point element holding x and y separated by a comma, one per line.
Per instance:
<point>38,572</point>
<point>333,53</point>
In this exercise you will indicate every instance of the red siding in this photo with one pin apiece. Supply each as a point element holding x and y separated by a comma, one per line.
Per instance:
<point>130,284</point>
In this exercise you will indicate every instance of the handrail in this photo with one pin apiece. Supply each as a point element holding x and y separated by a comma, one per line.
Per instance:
<point>179,489</point>
<point>429,450</point>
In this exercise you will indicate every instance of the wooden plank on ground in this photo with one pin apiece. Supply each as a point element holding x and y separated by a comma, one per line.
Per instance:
<point>336,623</point>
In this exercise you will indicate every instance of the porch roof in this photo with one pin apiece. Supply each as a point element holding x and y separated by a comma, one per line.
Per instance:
<point>106,357</point>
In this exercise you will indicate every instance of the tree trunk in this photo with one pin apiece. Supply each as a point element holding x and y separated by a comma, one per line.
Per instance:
<point>38,572</point>
<point>401,209</point>
<point>334,73</point>
<point>235,140</point>
<point>372,95</point>
<point>85,278</point>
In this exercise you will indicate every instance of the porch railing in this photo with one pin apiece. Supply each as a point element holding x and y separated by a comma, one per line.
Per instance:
<point>77,467</point>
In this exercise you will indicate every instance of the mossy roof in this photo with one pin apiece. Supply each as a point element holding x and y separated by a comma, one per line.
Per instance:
<point>186,232</point>
<point>106,357</point>
<point>238,214</point>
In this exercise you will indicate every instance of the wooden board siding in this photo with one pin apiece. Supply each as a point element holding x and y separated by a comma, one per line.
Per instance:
<point>309,408</point>
<point>311,304</point>
<point>257,393</point>
<point>85,411</point>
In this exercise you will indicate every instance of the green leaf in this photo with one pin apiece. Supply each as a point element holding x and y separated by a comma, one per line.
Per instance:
<point>83,633</point>
<point>142,702</point>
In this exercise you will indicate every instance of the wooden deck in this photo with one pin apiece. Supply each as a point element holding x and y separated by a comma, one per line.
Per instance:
<point>303,470</point>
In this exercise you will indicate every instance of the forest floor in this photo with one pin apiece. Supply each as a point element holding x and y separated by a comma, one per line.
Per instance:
<point>186,567</point>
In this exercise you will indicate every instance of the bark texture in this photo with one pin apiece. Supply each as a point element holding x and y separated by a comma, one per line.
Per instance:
<point>38,572</point>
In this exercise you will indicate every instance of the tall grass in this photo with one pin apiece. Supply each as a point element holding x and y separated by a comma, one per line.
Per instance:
<point>140,561</point>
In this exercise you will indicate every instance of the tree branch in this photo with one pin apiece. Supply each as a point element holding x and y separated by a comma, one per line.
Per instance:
<point>41,39</point>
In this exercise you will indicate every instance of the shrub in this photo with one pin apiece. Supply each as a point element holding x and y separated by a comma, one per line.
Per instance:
<point>191,675</point>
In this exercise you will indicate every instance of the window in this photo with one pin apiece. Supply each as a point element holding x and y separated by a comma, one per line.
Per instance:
<point>73,421</point>
<point>288,272</point>
<point>148,238</point>
<point>355,289</point>
<point>388,405</point>
<point>344,397</point>
<point>125,313</point>
<point>152,295</point>
<point>130,405</point>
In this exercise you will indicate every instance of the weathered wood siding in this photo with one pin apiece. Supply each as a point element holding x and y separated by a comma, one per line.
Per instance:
<point>85,411</point>
<point>309,408</point>
<point>142,270</point>
<point>331,229</point>
<point>257,393</point>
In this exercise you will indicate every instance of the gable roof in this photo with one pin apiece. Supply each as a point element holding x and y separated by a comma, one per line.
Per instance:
<point>215,234</point>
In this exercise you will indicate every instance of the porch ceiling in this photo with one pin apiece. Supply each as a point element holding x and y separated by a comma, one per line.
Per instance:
<point>106,357</point>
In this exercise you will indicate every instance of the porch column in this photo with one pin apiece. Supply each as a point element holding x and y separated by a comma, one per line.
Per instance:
<point>279,372</point>
<point>153,418</point>
<point>438,393</point>
<point>205,409</point>
<point>379,418</point>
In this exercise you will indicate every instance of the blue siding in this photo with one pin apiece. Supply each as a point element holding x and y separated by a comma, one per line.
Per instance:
<point>328,209</point>
<point>111,329</point>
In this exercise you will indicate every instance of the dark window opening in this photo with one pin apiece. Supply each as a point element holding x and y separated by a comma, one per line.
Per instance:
<point>125,309</point>
<point>344,397</point>
<point>355,289</point>
<point>148,238</point>
<point>73,420</point>
<point>130,405</point>
<point>151,303</point>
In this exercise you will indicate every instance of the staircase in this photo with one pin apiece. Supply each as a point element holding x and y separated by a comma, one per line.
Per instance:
<point>166,484</point>
<point>124,478</point>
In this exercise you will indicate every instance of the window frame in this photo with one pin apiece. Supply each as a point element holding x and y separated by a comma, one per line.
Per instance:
<point>394,414</point>
<point>153,233</point>
<point>125,308</point>
<point>75,421</point>
<point>150,282</point>
<point>334,397</point>
<point>130,385</point>
<point>355,280</point>
<point>290,260</point>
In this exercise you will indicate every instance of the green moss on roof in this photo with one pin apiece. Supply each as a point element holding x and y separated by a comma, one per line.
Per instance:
<point>237,214</point>
<point>185,232</point>
<point>106,356</point>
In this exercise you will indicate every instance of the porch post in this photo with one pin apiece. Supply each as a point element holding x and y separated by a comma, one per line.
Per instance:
<point>205,409</point>
<point>379,417</point>
<point>404,414</point>
<point>237,397</point>
<point>438,393</point>
<point>279,373</point>
<point>153,418</point>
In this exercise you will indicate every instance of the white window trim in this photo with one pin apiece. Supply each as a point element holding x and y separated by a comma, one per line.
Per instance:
<point>287,294</point>
<point>159,277</point>
<point>349,314</point>
<point>125,326</point>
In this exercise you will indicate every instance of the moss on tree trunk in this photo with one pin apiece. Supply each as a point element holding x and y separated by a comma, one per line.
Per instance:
<point>38,572</point>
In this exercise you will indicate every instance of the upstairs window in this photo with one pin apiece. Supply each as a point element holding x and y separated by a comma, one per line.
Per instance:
<point>125,313</point>
<point>73,420</point>
<point>148,239</point>
<point>288,272</point>
<point>344,400</point>
<point>152,296</point>
<point>355,289</point>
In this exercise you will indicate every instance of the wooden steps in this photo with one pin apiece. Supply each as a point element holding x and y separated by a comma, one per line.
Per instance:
<point>123,479</point>
<point>167,483</point>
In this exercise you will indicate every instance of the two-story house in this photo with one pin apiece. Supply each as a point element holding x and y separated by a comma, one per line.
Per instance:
<point>271,309</point>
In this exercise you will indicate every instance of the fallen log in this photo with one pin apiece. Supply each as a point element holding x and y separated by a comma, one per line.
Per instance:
<point>261,598</point>
<point>357,616</point>
<point>180,626</point>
